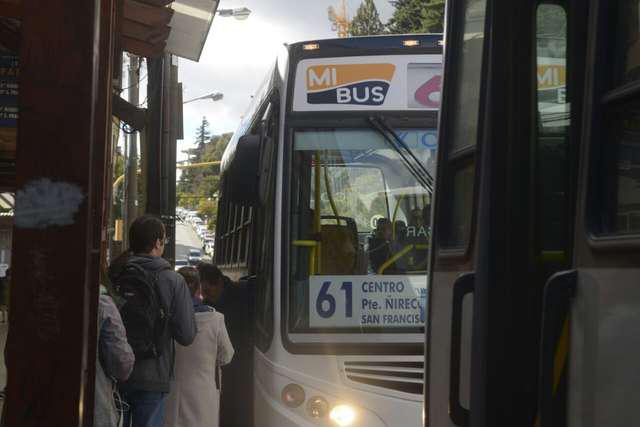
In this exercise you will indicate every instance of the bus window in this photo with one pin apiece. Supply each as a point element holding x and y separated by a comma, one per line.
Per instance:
<point>552,154</point>
<point>352,191</point>
<point>359,218</point>
<point>628,45</point>
<point>461,136</point>
<point>620,186</point>
<point>467,83</point>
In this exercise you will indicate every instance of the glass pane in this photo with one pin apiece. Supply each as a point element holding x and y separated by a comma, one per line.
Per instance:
<point>466,94</point>
<point>628,46</point>
<point>458,228</point>
<point>552,173</point>
<point>624,189</point>
<point>360,218</point>
<point>553,108</point>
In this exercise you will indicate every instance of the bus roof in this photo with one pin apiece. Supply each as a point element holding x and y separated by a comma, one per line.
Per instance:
<point>399,43</point>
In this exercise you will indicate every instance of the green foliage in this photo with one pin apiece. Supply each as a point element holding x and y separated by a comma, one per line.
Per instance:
<point>417,16</point>
<point>367,20</point>
<point>209,209</point>
<point>198,187</point>
<point>202,134</point>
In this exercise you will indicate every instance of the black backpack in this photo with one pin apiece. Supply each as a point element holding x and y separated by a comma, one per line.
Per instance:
<point>143,312</point>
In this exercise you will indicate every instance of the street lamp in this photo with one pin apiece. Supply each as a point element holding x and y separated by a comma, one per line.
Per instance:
<point>240,13</point>
<point>214,96</point>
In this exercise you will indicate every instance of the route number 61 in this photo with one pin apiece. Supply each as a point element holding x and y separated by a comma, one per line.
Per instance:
<point>326,303</point>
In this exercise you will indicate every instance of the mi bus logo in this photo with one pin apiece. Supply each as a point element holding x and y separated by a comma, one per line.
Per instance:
<point>352,84</point>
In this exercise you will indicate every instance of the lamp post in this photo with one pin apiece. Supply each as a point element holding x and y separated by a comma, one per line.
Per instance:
<point>214,96</point>
<point>240,13</point>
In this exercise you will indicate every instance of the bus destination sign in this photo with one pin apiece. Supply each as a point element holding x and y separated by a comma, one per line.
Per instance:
<point>373,301</point>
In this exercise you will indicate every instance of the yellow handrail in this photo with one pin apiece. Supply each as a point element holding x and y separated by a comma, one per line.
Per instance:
<point>329,193</point>
<point>395,213</point>
<point>552,256</point>
<point>198,165</point>
<point>305,243</point>
<point>394,258</point>
<point>317,226</point>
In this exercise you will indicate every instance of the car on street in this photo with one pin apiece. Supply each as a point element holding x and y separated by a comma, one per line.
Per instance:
<point>181,263</point>
<point>195,256</point>
<point>209,245</point>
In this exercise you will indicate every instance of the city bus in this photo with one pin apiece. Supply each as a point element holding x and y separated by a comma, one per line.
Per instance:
<point>324,220</point>
<point>533,296</point>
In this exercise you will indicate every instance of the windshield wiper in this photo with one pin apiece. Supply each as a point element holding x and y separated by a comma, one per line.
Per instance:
<point>412,162</point>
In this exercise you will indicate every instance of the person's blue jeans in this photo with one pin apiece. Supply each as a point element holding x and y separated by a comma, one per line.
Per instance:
<point>146,409</point>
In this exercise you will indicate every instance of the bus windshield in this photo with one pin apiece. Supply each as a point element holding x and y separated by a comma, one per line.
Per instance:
<point>360,227</point>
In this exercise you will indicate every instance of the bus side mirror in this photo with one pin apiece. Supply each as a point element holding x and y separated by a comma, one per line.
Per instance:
<point>245,171</point>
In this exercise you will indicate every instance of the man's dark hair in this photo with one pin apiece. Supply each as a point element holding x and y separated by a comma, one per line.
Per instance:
<point>144,232</point>
<point>192,278</point>
<point>209,273</point>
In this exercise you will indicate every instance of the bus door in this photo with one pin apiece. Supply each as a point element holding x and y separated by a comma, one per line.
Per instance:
<point>454,238</point>
<point>504,207</point>
<point>603,346</point>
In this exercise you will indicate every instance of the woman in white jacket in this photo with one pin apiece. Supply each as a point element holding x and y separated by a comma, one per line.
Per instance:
<point>194,400</point>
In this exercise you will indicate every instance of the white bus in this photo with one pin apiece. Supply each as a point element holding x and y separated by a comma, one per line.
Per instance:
<point>323,226</point>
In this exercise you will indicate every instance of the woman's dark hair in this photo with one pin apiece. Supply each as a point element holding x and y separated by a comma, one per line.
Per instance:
<point>209,273</point>
<point>144,232</point>
<point>192,278</point>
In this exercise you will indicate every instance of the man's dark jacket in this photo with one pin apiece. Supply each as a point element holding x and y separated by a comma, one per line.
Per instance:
<point>237,376</point>
<point>156,374</point>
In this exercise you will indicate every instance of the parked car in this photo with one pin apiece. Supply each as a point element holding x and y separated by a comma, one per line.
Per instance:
<point>195,256</point>
<point>181,263</point>
<point>209,245</point>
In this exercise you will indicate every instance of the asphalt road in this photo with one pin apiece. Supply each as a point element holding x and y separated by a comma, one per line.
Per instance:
<point>186,239</point>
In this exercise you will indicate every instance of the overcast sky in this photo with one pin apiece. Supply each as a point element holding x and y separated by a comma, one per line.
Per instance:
<point>238,54</point>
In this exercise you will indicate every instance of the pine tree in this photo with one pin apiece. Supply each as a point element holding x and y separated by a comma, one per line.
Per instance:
<point>417,16</point>
<point>367,20</point>
<point>433,17</point>
<point>202,134</point>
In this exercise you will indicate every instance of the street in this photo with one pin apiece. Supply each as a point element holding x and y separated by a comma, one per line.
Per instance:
<point>186,239</point>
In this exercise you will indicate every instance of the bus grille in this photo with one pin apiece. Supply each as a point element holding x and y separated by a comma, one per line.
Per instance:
<point>407,377</point>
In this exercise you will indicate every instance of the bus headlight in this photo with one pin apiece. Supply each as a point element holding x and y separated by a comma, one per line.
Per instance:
<point>343,415</point>
<point>293,395</point>
<point>317,407</point>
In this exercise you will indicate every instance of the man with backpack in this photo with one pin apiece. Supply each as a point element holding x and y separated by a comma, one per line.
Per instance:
<point>156,309</point>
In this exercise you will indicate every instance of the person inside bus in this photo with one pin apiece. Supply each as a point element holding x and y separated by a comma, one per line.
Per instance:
<point>398,244</point>
<point>379,244</point>
<point>194,399</point>
<point>420,234</point>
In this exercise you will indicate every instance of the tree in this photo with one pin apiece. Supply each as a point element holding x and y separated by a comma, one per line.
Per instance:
<point>202,134</point>
<point>200,184</point>
<point>367,20</point>
<point>417,16</point>
<point>433,17</point>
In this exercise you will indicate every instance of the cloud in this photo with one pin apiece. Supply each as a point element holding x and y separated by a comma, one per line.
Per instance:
<point>238,55</point>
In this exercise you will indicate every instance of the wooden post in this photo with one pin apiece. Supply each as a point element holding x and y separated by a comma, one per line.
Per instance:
<point>61,155</point>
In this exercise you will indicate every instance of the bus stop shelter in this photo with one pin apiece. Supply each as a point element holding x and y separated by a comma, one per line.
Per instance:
<point>60,66</point>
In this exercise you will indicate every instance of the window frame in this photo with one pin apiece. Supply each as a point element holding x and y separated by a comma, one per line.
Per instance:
<point>453,159</point>
<point>266,218</point>
<point>334,120</point>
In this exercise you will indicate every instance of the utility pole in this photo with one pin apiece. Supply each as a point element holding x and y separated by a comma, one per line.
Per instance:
<point>132,158</point>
